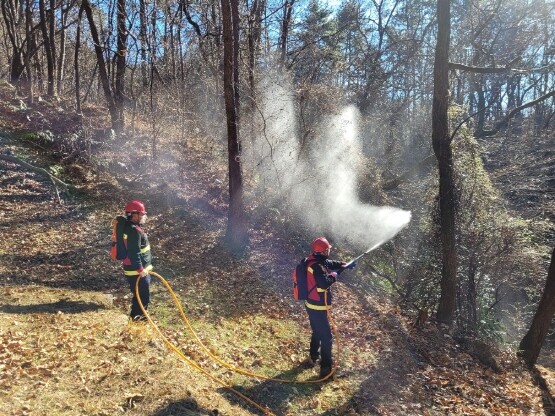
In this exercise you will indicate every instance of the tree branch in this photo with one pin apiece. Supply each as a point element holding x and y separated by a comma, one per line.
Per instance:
<point>503,123</point>
<point>486,70</point>
<point>55,181</point>
<point>194,24</point>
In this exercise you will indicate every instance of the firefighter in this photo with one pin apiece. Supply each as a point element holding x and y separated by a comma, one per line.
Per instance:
<point>321,275</point>
<point>137,264</point>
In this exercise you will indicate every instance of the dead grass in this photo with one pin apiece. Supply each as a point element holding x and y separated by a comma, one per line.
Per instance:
<point>79,356</point>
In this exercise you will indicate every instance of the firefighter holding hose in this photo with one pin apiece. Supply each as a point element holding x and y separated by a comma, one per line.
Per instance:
<point>321,275</point>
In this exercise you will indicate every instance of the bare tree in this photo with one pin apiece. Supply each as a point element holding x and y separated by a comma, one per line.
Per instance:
<point>101,65</point>
<point>48,51</point>
<point>285,24</point>
<point>143,39</point>
<point>119,94</point>
<point>29,49</point>
<point>236,233</point>
<point>64,12</point>
<point>255,17</point>
<point>11,11</point>
<point>76,62</point>
<point>441,141</point>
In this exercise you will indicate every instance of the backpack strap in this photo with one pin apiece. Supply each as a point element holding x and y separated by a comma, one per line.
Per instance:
<point>309,264</point>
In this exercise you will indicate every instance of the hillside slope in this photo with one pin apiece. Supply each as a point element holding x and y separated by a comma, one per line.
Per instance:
<point>67,348</point>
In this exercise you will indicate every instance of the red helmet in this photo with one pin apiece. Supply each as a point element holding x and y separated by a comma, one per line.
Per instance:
<point>320,245</point>
<point>135,206</point>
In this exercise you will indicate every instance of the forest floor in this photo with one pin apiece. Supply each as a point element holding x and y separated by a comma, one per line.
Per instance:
<point>67,348</point>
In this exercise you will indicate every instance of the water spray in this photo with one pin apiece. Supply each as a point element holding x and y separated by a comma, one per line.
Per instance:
<point>375,246</point>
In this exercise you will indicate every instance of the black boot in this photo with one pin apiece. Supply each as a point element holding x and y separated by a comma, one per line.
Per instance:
<point>324,371</point>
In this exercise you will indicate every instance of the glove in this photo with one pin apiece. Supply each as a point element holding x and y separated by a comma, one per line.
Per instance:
<point>351,266</point>
<point>334,275</point>
<point>143,273</point>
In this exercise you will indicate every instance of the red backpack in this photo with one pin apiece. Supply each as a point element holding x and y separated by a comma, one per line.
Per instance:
<point>300,280</point>
<point>120,227</point>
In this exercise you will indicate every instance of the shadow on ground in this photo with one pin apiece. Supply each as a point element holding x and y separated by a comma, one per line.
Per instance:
<point>274,395</point>
<point>65,306</point>
<point>547,398</point>
<point>185,407</point>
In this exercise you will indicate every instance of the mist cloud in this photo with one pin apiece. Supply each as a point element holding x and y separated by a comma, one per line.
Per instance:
<point>318,178</point>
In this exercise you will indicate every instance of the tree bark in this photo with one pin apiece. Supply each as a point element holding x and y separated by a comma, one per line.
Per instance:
<point>441,142</point>
<point>236,234</point>
<point>532,342</point>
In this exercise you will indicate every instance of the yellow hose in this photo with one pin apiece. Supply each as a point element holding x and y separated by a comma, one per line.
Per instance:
<point>195,365</point>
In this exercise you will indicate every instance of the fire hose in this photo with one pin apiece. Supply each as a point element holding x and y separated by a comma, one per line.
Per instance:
<point>238,370</point>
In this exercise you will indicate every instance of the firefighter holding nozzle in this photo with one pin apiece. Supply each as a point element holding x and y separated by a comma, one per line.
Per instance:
<point>321,274</point>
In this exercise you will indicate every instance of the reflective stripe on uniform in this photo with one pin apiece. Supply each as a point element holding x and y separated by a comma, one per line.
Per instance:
<point>125,236</point>
<point>316,307</point>
<point>135,272</point>
<point>145,249</point>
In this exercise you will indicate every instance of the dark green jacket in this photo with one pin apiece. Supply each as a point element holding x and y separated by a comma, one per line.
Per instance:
<point>139,256</point>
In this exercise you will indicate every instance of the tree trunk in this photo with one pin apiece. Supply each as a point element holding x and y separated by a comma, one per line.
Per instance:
<point>143,39</point>
<point>29,51</point>
<point>47,48</point>
<point>471,323</point>
<point>62,56</point>
<point>76,63</point>
<point>153,71</point>
<point>254,42</point>
<point>10,12</point>
<point>481,104</point>
<point>287,12</point>
<point>236,233</point>
<point>101,64</point>
<point>531,344</point>
<point>120,66</point>
<point>17,66</point>
<point>52,40</point>
<point>441,142</point>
